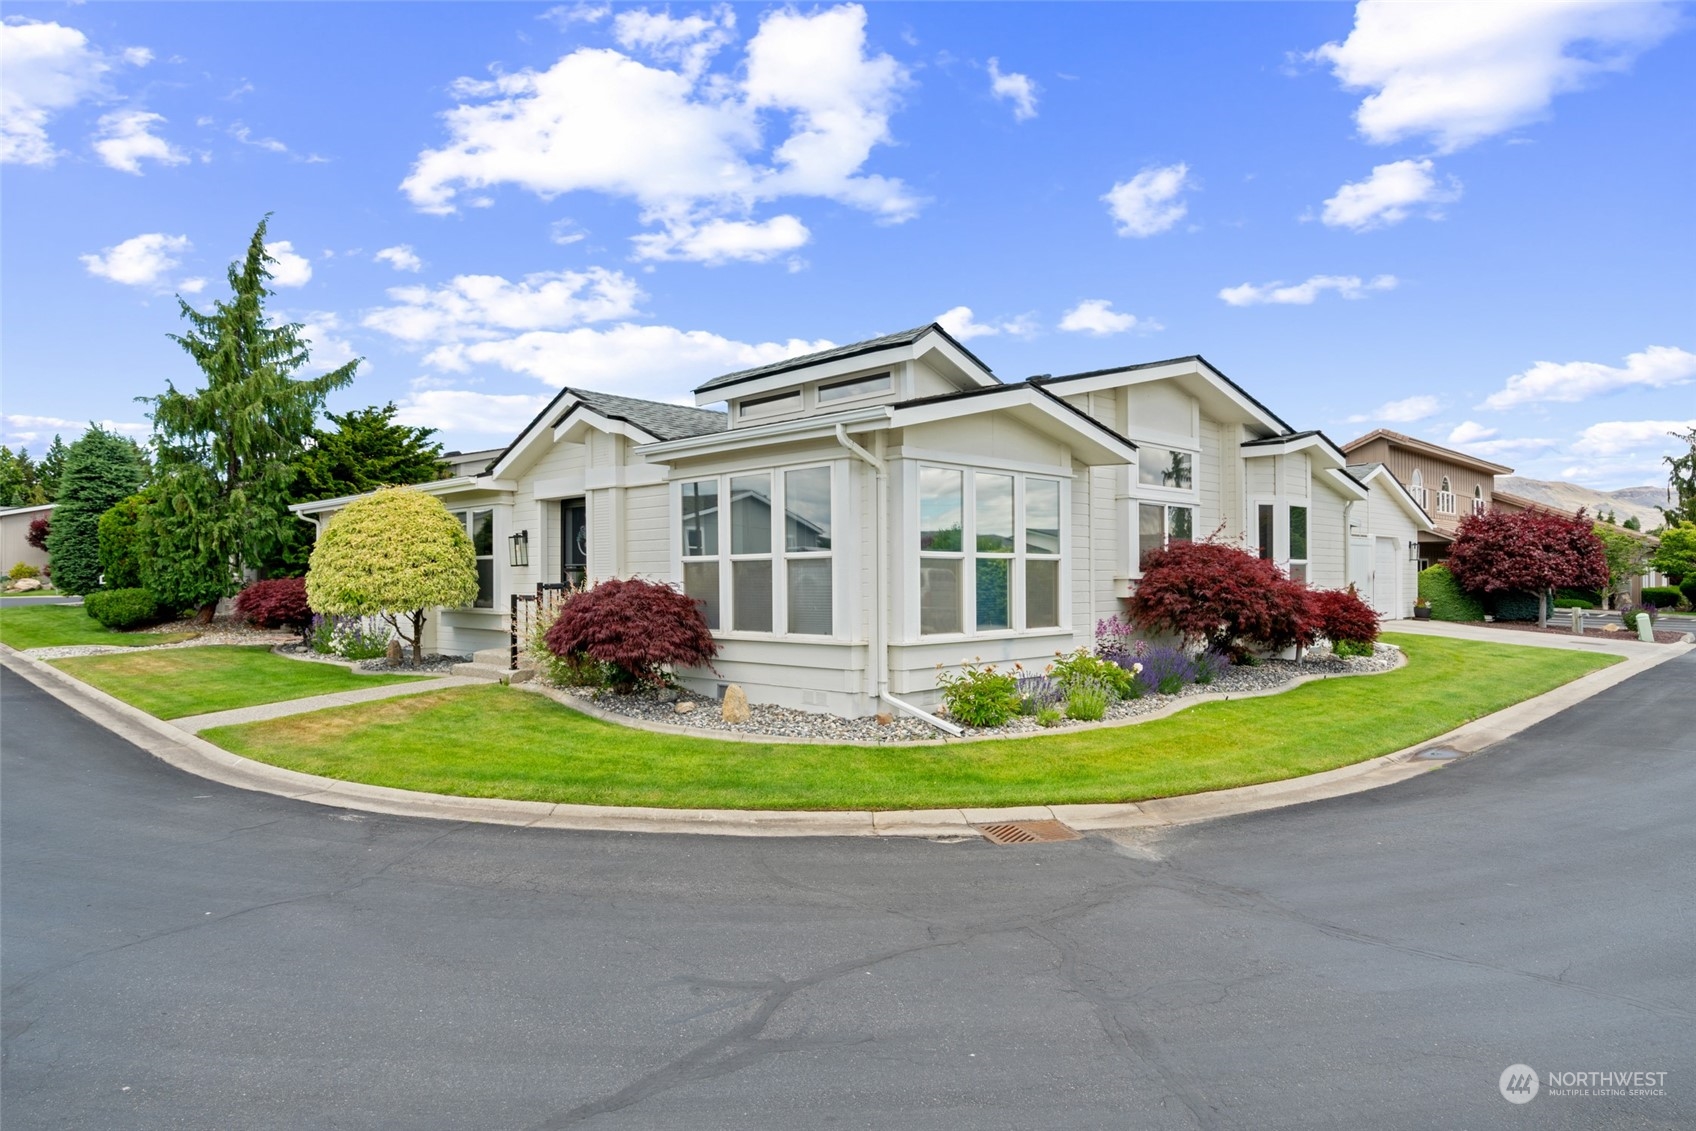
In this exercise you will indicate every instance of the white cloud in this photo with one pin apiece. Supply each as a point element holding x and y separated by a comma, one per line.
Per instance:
<point>46,68</point>
<point>478,307</point>
<point>563,16</point>
<point>290,269</point>
<point>1096,316</point>
<point>566,232</point>
<point>1616,452</point>
<point>246,136</point>
<point>1405,411</point>
<point>22,428</point>
<point>1461,72</point>
<point>1389,195</point>
<point>1303,294</point>
<point>1470,432</point>
<point>1016,88</point>
<point>687,146</point>
<point>465,411</point>
<point>1657,367</point>
<point>192,286</point>
<point>321,330</point>
<point>720,241</point>
<point>126,139</point>
<point>960,322</point>
<point>1148,203</point>
<point>401,257</point>
<point>689,42</point>
<point>140,261</point>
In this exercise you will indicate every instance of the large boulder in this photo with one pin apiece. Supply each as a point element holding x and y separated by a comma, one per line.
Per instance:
<point>735,709</point>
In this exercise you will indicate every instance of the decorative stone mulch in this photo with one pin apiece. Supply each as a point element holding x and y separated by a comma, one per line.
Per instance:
<point>432,665</point>
<point>784,722</point>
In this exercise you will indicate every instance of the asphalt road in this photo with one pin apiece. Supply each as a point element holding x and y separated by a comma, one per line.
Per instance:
<point>182,955</point>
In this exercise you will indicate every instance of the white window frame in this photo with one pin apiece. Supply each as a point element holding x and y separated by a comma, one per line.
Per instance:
<point>1478,498</point>
<point>1445,497</point>
<point>1292,561</point>
<point>463,514</point>
<point>1166,510</point>
<point>779,555</point>
<point>968,553</point>
<point>1416,488</point>
<point>887,377</point>
<point>787,403</point>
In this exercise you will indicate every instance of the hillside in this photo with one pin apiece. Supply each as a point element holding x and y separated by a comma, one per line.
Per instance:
<point>1624,503</point>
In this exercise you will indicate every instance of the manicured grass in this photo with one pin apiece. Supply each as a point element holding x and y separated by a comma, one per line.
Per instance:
<point>54,626</point>
<point>499,742</point>
<point>198,681</point>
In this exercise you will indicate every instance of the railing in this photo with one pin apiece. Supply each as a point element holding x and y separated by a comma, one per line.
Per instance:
<point>529,611</point>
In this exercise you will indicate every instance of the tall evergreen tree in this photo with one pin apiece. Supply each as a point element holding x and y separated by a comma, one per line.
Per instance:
<point>20,485</point>
<point>100,470</point>
<point>51,468</point>
<point>1681,482</point>
<point>227,451</point>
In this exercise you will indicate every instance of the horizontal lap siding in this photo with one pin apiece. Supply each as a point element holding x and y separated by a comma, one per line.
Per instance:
<point>647,532</point>
<point>1212,499</point>
<point>1327,538</point>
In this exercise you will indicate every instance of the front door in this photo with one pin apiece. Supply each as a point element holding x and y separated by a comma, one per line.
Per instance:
<point>574,541</point>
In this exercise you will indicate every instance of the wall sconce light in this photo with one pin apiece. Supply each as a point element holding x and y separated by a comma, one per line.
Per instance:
<point>1413,551</point>
<point>519,545</point>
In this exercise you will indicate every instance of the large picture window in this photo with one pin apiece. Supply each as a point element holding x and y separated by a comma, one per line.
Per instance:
<point>989,551</point>
<point>734,563</point>
<point>480,527</point>
<point>1159,525</point>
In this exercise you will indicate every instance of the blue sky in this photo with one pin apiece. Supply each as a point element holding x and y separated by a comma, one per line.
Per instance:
<point>1467,222</point>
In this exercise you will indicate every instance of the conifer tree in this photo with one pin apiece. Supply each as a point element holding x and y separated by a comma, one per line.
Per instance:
<point>51,468</point>
<point>100,469</point>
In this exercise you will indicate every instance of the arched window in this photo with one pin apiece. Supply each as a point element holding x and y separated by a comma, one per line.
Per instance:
<point>1416,488</point>
<point>1478,499</point>
<point>1445,498</point>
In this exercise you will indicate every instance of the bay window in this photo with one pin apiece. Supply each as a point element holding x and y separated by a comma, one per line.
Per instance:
<point>989,551</point>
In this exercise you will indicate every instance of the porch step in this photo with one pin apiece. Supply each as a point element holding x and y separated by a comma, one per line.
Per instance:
<point>493,673</point>
<point>499,657</point>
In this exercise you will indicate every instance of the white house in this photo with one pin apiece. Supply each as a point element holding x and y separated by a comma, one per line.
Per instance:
<point>853,518</point>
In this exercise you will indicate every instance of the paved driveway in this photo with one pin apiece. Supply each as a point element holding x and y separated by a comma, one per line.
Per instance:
<point>178,954</point>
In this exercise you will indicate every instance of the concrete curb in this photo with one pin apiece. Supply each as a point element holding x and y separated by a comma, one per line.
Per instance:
<point>195,755</point>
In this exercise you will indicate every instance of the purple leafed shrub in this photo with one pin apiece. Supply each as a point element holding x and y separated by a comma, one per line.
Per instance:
<point>1166,670</point>
<point>1037,692</point>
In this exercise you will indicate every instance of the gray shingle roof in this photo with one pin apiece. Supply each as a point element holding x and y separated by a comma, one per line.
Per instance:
<point>870,345</point>
<point>663,421</point>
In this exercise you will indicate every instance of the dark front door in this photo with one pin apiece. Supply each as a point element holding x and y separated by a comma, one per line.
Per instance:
<point>574,543</point>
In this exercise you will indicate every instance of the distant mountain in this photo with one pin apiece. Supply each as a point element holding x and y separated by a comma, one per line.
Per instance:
<point>1624,503</point>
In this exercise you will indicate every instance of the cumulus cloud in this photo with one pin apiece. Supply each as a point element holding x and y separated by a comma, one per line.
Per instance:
<point>467,411</point>
<point>1097,317</point>
<point>721,241</point>
<point>563,16</point>
<point>401,257</point>
<point>1405,411</point>
<point>1470,432</point>
<point>1548,382</point>
<point>46,68</point>
<point>1389,195</point>
<point>1304,294</point>
<point>323,332</point>
<point>22,428</point>
<point>1018,89</point>
<point>1619,451</point>
<point>688,146</point>
<point>960,322</point>
<point>125,139</point>
<point>1148,203</point>
<point>140,261</point>
<point>480,307</point>
<point>291,269</point>
<point>1458,73</point>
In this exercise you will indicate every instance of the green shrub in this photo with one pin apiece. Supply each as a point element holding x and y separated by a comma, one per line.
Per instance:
<point>1660,596</point>
<point>1590,595</point>
<point>979,696</point>
<point>1447,599</point>
<point>1351,648</point>
<point>1631,616</point>
<point>1049,717</point>
<point>122,608</point>
<point>1688,588</point>
<point>1088,700</point>
<point>1084,666</point>
<point>1573,603</point>
<point>121,547</point>
<point>564,671</point>
<point>23,570</point>
<point>1514,606</point>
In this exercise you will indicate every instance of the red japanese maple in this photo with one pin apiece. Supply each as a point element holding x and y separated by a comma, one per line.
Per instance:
<point>38,530</point>
<point>1528,552</point>
<point>279,603</point>
<point>636,626</point>
<point>1219,596</point>
<point>1342,615</point>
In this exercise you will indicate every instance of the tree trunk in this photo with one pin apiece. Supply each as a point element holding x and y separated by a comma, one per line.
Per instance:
<point>418,638</point>
<point>206,613</point>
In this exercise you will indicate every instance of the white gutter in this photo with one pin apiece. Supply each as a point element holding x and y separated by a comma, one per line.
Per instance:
<point>880,585</point>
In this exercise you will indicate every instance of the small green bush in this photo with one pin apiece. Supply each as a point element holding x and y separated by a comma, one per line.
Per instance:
<point>1351,648</point>
<point>1447,599</point>
<point>1662,596</point>
<point>1049,717</point>
<point>1514,606</point>
<point>1088,700</point>
<point>1084,666</point>
<point>1630,617</point>
<point>1573,603</point>
<point>979,696</point>
<point>22,570</point>
<point>1688,588</point>
<point>122,608</point>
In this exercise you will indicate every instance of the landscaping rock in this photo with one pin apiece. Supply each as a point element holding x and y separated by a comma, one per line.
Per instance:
<point>394,655</point>
<point>668,695</point>
<point>735,709</point>
<point>885,719</point>
<point>25,584</point>
<point>683,708</point>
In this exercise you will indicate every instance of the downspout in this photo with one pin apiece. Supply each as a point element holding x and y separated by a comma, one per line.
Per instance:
<point>880,587</point>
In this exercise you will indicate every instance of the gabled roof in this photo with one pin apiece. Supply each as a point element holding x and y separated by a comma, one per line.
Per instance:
<point>660,420</point>
<point>1376,476</point>
<point>838,353</point>
<point>1026,393</point>
<point>1427,448</point>
<point>1212,372</point>
<point>1298,441</point>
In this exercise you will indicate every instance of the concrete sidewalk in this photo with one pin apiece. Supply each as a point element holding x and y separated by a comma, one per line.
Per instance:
<point>1613,643</point>
<point>194,724</point>
<point>176,745</point>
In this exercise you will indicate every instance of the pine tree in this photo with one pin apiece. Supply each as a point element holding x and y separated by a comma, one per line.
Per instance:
<point>20,484</point>
<point>52,468</point>
<point>1681,481</point>
<point>100,470</point>
<point>227,451</point>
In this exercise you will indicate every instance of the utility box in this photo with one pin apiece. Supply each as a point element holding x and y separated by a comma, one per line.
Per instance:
<point>1645,630</point>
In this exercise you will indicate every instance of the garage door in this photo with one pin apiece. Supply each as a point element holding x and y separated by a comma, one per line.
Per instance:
<point>1386,579</point>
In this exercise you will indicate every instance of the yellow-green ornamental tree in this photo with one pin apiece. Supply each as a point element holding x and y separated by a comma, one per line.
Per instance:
<point>393,553</point>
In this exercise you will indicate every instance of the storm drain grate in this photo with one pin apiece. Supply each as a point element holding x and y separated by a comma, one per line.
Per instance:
<point>1437,754</point>
<point>1027,832</point>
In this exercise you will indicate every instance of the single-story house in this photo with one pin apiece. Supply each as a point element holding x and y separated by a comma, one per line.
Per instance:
<point>14,536</point>
<point>851,519</point>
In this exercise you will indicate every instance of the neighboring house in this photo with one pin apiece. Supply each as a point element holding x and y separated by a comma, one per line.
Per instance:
<point>857,517</point>
<point>1448,485</point>
<point>14,536</point>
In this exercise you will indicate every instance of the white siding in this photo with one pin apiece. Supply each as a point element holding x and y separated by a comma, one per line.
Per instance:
<point>1327,536</point>
<point>647,532</point>
<point>1209,481</point>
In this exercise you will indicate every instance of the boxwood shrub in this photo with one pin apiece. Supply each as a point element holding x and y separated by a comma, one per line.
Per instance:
<point>1662,596</point>
<point>1514,606</point>
<point>1447,599</point>
<point>122,608</point>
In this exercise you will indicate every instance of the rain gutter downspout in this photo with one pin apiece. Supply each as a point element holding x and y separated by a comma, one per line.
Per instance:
<point>880,585</point>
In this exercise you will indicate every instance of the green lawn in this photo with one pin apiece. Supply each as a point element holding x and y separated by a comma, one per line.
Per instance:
<point>53,626</point>
<point>198,681</point>
<point>498,742</point>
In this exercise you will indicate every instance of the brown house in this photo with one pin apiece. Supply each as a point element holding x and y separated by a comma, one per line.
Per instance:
<point>1448,484</point>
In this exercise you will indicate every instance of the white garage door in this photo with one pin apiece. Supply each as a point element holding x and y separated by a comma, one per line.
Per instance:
<point>1386,579</point>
